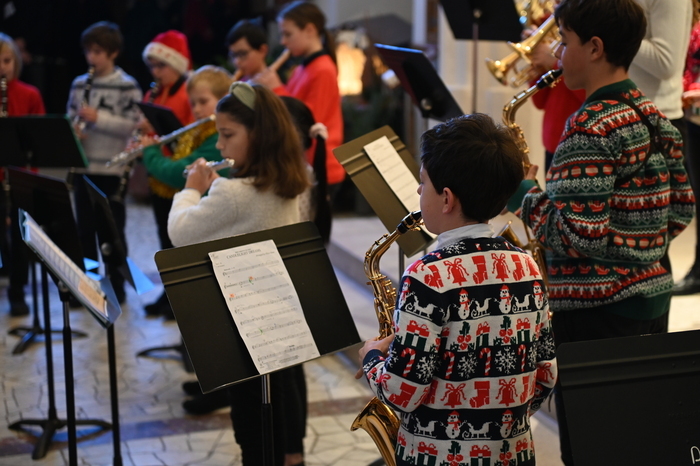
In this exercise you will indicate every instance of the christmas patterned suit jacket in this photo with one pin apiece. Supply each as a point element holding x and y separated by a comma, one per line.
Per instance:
<point>473,356</point>
<point>605,238</point>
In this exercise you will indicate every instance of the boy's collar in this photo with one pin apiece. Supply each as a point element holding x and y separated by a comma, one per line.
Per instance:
<point>615,88</point>
<point>476,230</point>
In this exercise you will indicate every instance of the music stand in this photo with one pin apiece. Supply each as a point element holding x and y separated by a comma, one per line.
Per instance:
<point>482,20</point>
<point>632,400</point>
<point>33,140</point>
<point>420,80</point>
<point>47,200</point>
<point>218,353</point>
<point>113,252</point>
<point>380,196</point>
<point>161,118</point>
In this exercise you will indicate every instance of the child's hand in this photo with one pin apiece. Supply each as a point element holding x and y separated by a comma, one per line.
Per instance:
<point>381,345</point>
<point>532,172</point>
<point>146,140</point>
<point>267,78</point>
<point>88,114</point>
<point>199,176</point>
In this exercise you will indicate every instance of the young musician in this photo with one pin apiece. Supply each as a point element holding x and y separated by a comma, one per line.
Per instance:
<point>257,133</point>
<point>16,99</point>
<point>614,198</point>
<point>247,48</point>
<point>315,82</point>
<point>110,117</point>
<point>459,372</point>
<point>168,58</point>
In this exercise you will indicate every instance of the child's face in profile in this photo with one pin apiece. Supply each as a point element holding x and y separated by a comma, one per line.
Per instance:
<point>165,74</point>
<point>233,139</point>
<point>297,40</point>
<point>571,54</point>
<point>100,59</point>
<point>7,62</point>
<point>202,101</point>
<point>430,202</point>
<point>247,59</point>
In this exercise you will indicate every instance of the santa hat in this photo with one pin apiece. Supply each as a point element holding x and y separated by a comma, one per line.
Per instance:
<point>170,47</point>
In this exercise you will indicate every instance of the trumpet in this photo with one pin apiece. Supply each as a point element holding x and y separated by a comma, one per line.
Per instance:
<point>523,50</point>
<point>128,156</point>
<point>78,122</point>
<point>215,165</point>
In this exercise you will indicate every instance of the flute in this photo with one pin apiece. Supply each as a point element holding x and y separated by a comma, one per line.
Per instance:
<point>274,66</point>
<point>215,165</point>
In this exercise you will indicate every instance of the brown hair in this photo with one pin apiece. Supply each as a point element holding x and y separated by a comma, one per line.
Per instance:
<point>302,13</point>
<point>219,79</point>
<point>275,157</point>
<point>478,160</point>
<point>6,41</point>
<point>104,34</point>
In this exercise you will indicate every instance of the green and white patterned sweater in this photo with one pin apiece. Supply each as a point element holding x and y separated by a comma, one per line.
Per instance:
<point>604,237</point>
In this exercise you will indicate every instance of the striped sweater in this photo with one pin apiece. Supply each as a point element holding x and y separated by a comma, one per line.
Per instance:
<point>473,356</point>
<point>604,237</point>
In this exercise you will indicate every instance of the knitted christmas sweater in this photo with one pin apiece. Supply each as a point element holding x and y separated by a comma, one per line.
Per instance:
<point>605,237</point>
<point>473,356</point>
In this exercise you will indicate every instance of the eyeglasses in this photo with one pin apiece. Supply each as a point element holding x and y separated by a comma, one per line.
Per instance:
<point>156,64</point>
<point>240,54</point>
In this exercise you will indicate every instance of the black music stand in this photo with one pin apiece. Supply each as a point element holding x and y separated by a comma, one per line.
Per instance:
<point>376,190</point>
<point>161,118</point>
<point>219,355</point>
<point>33,140</point>
<point>420,80</point>
<point>633,400</point>
<point>47,200</point>
<point>482,20</point>
<point>113,252</point>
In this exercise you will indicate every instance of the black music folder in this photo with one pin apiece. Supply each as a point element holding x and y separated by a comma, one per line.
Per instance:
<point>420,80</point>
<point>633,400</point>
<point>218,352</point>
<point>161,118</point>
<point>40,141</point>
<point>494,19</point>
<point>380,196</point>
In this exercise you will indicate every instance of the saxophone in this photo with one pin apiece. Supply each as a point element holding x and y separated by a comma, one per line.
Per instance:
<point>380,421</point>
<point>535,247</point>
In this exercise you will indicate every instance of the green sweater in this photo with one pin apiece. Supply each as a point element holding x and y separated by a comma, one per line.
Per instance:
<point>605,237</point>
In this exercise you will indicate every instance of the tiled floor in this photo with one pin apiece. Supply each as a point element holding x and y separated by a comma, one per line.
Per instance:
<point>155,430</point>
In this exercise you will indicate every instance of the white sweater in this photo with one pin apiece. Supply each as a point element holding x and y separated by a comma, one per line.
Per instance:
<point>114,96</point>
<point>657,69</point>
<point>232,207</point>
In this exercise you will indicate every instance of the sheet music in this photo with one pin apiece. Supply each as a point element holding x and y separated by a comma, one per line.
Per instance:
<point>66,270</point>
<point>264,305</point>
<point>395,172</point>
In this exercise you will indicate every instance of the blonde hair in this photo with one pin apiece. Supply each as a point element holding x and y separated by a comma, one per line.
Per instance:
<point>219,79</point>
<point>7,42</point>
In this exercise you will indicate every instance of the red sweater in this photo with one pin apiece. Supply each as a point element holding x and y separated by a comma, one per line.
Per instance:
<point>178,102</point>
<point>23,99</point>
<point>316,84</point>
<point>558,103</point>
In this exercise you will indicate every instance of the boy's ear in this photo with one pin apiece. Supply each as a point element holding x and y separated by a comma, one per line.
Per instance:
<point>449,201</point>
<point>113,56</point>
<point>597,47</point>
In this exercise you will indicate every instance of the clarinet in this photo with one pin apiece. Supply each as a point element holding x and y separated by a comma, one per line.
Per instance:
<point>3,97</point>
<point>135,136</point>
<point>78,121</point>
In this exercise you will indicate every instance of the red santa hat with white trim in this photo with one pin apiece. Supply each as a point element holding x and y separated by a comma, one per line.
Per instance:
<point>170,47</point>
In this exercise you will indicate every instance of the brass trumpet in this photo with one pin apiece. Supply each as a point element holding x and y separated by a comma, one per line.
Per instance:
<point>500,69</point>
<point>128,156</point>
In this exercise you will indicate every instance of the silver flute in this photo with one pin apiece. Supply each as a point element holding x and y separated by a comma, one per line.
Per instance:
<point>215,165</point>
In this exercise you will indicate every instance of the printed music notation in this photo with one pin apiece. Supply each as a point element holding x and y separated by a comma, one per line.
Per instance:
<point>88,290</point>
<point>395,172</point>
<point>264,305</point>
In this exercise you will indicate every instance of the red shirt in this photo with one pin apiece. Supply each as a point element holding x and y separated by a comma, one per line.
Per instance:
<point>178,102</point>
<point>316,84</point>
<point>558,103</point>
<point>23,99</point>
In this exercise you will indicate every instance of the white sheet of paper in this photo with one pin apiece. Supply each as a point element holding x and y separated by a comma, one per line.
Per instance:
<point>64,267</point>
<point>264,305</point>
<point>395,172</point>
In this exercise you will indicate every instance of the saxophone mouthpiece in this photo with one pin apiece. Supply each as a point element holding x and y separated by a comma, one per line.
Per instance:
<point>549,78</point>
<point>409,222</point>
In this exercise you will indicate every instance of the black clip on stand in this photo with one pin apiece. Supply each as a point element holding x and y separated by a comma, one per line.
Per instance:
<point>482,20</point>
<point>33,141</point>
